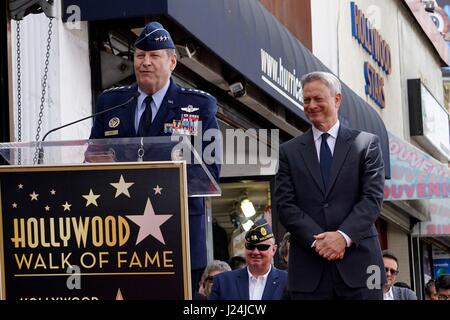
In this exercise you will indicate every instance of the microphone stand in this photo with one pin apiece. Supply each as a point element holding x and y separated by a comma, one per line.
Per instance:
<point>40,149</point>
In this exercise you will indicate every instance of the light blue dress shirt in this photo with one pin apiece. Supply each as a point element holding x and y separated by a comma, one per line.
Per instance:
<point>157,97</point>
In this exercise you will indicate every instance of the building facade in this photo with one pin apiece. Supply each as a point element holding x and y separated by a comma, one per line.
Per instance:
<point>380,49</point>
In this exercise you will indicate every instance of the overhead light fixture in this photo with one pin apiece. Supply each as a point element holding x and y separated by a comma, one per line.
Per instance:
<point>247,207</point>
<point>186,51</point>
<point>247,225</point>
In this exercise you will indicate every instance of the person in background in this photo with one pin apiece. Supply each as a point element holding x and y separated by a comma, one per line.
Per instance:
<point>260,280</point>
<point>160,104</point>
<point>284,259</point>
<point>430,290</point>
<point>212,269</point>
<point>237,262</point>
<point>284,250</point>
<point>443,287</point>
<point>391,292</point>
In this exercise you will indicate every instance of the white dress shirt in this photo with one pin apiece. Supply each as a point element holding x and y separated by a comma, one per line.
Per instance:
<point>256,285</point>
<point>157,97</point>
<point>388,295</point>
<point>333,132</point>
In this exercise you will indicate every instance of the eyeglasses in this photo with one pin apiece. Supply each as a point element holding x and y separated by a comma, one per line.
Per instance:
<point>392,271</point>
<point>260,247</point>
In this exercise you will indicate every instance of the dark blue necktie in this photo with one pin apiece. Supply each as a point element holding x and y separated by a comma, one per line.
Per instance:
<point>325,160</point>
<point>146,118</point>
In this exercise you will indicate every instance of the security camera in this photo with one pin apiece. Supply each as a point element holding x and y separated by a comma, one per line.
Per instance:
<point>429,6</point>
<point>237,90</point>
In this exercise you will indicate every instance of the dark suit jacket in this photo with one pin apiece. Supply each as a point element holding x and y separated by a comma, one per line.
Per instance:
<point>170,109</point>
<point>351,204</point>
<point>233,285</point>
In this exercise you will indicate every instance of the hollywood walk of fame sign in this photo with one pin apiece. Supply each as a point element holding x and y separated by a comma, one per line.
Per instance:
<point>94,232</point>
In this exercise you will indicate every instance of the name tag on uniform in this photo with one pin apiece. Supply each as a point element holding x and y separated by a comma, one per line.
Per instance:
<point>111,133</point>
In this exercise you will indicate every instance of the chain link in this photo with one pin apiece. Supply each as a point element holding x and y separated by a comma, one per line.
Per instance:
<point>19,92</point>
<point>44,86</point>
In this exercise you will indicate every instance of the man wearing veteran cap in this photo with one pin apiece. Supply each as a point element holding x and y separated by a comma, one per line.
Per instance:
<point>162,108</point>
<point>259,280</point>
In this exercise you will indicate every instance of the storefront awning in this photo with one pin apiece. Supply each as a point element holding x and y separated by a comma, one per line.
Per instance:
<point>251,40</point>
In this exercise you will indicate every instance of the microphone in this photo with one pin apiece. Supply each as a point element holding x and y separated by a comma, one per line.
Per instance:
<point>135,96</point>
<point>41,149</point>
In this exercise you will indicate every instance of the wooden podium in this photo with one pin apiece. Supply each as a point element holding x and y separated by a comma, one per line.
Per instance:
<point>74,228</point>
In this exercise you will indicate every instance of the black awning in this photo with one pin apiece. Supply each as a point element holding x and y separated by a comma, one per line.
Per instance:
<point>251,40</point>
<point>93,10</point>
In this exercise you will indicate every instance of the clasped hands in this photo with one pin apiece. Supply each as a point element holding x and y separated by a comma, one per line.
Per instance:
<point>330,245</point>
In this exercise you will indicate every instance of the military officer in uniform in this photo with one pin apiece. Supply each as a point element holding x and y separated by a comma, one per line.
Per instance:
<point>161,108</point>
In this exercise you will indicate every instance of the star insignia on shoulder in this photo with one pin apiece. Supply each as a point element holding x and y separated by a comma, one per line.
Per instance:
<point>114,89</point>
<point>201,92</point>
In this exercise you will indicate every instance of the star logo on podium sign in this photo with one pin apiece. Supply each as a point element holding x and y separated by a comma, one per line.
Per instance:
<point>66,206</point>
<point>91,198</point>
<point>157,189</point>
<point>149,223</point>
<point>34,196</point>
<point>122,187</point>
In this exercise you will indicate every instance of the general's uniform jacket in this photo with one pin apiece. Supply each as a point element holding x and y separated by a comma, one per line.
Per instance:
<point>181,112</point>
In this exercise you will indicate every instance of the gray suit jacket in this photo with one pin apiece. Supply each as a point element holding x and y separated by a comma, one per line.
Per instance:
<point>403,293</point>
<point>351,204</point>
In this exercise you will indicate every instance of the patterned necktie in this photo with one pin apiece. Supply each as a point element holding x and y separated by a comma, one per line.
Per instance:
<point>146,118</point>
<point>325,160</point>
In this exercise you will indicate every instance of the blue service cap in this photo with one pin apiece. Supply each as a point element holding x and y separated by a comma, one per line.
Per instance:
<point>260,231</point>
<point>154,37</point>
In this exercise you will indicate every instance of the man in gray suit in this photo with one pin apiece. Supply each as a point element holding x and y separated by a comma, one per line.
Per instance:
<point>328,194</point>
<point>390,291</point>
